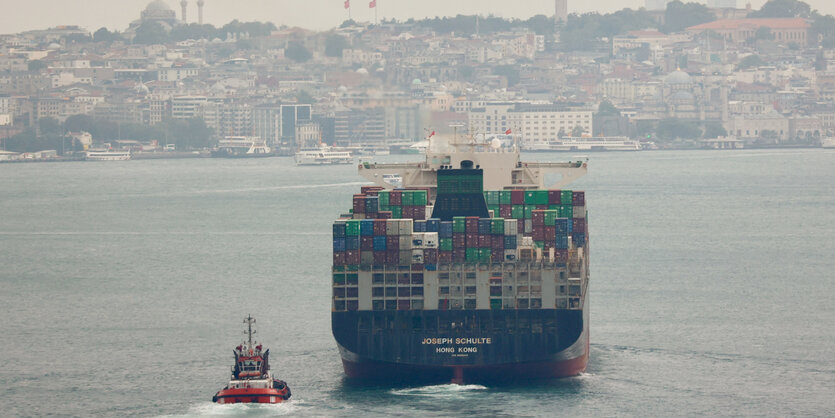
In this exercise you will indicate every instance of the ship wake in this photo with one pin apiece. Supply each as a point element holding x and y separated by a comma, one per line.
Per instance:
<point>441,391</point>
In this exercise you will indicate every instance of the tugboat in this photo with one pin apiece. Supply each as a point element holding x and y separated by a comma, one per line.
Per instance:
<point>252,381</point>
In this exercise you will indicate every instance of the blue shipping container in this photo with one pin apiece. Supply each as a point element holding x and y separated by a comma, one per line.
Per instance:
<point>339,230</point>
<point>367,227</point>
<point>562,242</point>
<point>380,243</point>
<point>433,225</point>
<point>372,204</point>
<point>484,226</point>
<point>445,231</point>
<point>510,242</point>
<point>339,244</point>
<point>352,243</point>
<point>420,226</point>
<point>430,267</point>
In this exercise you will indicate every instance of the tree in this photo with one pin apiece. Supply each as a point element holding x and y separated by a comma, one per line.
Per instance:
<point>824,27</point>
<point>104,35</point>
<point>150,33</point>
<point>297,52</point>
<point>680,16</point>
<point>334,44</point>
<point>606,108</point>
<point>714,129</point>
<point>783,8</point>
<point>511,72</point>
<point>36,65</point>
<point>193,31</point>
<point>577,131</point>
<point>49,125</point>
<point>751,61</point>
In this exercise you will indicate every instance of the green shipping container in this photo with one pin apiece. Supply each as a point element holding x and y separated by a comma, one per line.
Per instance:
<point>566,211</point>
<point>384,197</point>
<point>530,197</point>
<point>419,198</point>
<point>352,228</point>
<point>492,198</point>
<point>472,255</point>
<point>495,303</point>
<point>445,244</point>
<point>529,211</point>
<point>539,244</point>
<point>504,197</point>
<point>407,197</point>
<point>566,197</point>
<point>483,255</point>
<point>338,279</point>
<point>497,226</point>
<point>517,212</point>
<point>550,217</point>
<point>396,212</point>
<point>384,208</point>
<point>494,208</point>
<point>352,267</point>
<point>541,197</point>
<point>459,224</point>
<point>338,268</point>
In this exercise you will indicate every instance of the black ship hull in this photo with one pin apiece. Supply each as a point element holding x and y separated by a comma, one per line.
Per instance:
<point>472,346</point>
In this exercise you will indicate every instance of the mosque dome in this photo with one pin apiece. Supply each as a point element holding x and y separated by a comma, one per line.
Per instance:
<point>677,77</point>
<point>158,10</point>
<point>157,5</point>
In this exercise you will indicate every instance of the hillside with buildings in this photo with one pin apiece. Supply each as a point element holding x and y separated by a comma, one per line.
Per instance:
<point>672,74</point>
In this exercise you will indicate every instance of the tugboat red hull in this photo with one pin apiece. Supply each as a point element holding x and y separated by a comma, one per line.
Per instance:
<point>250,395</point>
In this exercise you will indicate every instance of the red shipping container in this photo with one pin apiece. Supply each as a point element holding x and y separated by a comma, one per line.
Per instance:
<point>550,233</point>
<point>517,197</point>
<point>459,240</point>
<point>339,258</point>
<point>538,217</point>
<point>497,255</point>
<point>550,244</point>
<point>419,213</point>
<point>359,203</point>
<point>395,198</point>
<point>367,243</point>
<point>554,197</point>
<point>379,227</point>
<point>384,214</point>
<point>561,255</point>
<point>485,241</point>
<point>472,241</point>
<point>505,211</point>
<point>497,242</point>
<point>578,198</point>
<point>444,256</point>
<point>370,190</point>
<point>379,257</point>
<point>430,256</point>
<point>392,257</point>
<point>472,224</point>
<point>538,234</point>
<point>352,257</point>
<point>393,242</point>
<point>459,255</point>
<point>417,267</point>
<point>579,225</point>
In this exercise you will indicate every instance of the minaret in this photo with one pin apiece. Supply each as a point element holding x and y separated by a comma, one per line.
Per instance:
<point>184,6</point>
<point>200,11</point>
<point>561,10</point>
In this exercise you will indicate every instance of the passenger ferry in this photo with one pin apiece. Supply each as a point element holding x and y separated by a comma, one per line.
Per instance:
<point>323,155</point>
<point>242,147</point>
<point>107,154</point>
<point>611,143</point>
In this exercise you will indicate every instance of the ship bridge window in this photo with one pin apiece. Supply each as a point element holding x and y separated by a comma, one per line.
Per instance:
<point>471,275</point>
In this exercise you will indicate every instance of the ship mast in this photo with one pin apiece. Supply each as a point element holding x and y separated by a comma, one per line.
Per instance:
<point>249,320</point>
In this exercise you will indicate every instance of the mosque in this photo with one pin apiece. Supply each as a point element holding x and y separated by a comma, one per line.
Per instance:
<point>160,12</point>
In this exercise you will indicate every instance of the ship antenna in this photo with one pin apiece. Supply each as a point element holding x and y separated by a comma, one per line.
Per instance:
<point>249,320</point>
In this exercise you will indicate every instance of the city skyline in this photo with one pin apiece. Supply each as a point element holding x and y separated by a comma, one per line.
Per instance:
<point>118,15</point>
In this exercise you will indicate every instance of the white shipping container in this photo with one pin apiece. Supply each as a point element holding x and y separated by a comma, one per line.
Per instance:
<point>430,240</point>
<point>511,227</point>
<point>526,242</point>
<point>528,225</point>
<point>406,227</point>
<point>417,239</point>
<point>579,211</point>
<point>405,242</point>
<point>429,210</point>
<point>392,226</point>
<point>417,256</point>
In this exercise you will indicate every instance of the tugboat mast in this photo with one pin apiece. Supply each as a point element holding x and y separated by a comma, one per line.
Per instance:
<point>249,320</point>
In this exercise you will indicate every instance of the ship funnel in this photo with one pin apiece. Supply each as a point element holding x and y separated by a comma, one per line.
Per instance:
<point>466,165</point>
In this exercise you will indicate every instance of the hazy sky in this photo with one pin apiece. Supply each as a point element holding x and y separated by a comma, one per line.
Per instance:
<point>20,15</point>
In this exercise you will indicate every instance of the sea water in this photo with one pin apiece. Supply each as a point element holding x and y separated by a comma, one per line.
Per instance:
<point>123,286</point>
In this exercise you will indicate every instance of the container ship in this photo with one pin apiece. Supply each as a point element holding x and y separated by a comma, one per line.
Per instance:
<point>466,269</point>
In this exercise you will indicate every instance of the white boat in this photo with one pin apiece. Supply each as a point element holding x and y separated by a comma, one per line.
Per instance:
<point>610,143</point>
<point>374,150</point>
<point>242,147</point>
<point>107,155</point>
<point>828,142</point>
<point>324,155</point>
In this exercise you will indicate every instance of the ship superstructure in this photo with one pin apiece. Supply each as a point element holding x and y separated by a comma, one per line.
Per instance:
<point>470,270</point>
